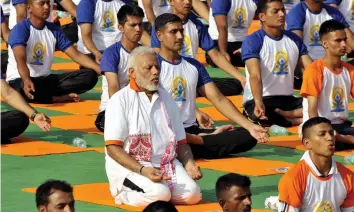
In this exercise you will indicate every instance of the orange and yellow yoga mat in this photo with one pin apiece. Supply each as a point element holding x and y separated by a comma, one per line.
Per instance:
<point>85,107</point>
<point>30,147</point>
<point>246,166</point>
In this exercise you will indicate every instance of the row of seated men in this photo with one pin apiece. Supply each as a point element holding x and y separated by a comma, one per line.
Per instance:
<point>142,129</point>
<point>315,182</point>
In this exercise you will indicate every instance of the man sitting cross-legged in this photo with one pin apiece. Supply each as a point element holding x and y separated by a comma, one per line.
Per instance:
<point>33,42</point>
<point>271,55</point>
<point>115,58</point>
<point>144,137</point>
<point>329,83</point>
<point>184,78</point>
<point>196,36</point>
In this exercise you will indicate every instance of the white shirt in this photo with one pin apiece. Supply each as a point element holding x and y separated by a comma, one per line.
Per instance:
<point>158,6</point>
<point>346,7</point>
<point>333,91</point>
<point>102,14</point>
<point>182,80</point>
<point>40,46</point>
<point>301,18</point>
<point>240,14</point>
<point>146,129</point>
<point>278,59</point>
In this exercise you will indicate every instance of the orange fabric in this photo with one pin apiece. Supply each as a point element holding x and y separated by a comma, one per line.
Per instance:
<point>313,79</point>
<point>133,85</point>
<point>256,25</point>
<point>61,54</point>
<point>114,142</point>
<point>293,142</point>
<point>348,179</point>
<point>292,185</point>
<point>258,167</point>
<point>67,67</point>
<point>183,141</point>
<point>82,123</point>
<point>86,107</point>
<point>98,193</point>
<point>65,21</point>
<point>30,147</point>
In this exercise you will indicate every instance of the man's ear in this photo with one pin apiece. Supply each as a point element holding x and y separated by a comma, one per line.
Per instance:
<point>307,143</point>
<point>159,36</point>
<point>324,44</point>
<point>223,205</point>
<point>42,208</point>
<point>261,17</point>
<point>121,28</point>
<point>131,73</point>
<point>170,2</point>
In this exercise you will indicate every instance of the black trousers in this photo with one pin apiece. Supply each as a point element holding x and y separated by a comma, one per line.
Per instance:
<point>71,31</point>
<point>344,129</point>
<point>271,103</point>
<point>99,122</point>
<point>223,144</point>
<point>228,86</point>
<point>13,123</point>
<point>236,59</point>
<point>4,61</point>
<point>58,84</point>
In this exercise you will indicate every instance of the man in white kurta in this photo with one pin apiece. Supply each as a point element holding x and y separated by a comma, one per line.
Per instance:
<point>144,136</point>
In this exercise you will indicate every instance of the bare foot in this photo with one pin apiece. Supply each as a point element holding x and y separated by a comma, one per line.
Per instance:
<point>72,97</point>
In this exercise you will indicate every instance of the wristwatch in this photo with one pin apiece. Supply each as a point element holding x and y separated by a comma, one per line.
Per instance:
<point>34,114</point>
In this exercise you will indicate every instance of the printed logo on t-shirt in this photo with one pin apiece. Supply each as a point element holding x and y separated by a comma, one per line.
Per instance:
<point>240,18</point>
<point>281,63</point>
<point>164,3</point>
<point>337,99</point>
<point>324,206</point>
<point>38,51</point>
<point>315,35</point>
<point>187,47</point>
<point>108,21</point>
<point>288,1</point>
<point>179,87</point>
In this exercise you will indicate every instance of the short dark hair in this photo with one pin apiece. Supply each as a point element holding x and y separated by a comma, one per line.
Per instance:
<point>310,123</point>
<point>263,5</point>
<point>164,19</point>
<point>129,10</point>
<point>330,26</point>
<point>227,181</point>
<point>160,206</point>
<point>44,191</point>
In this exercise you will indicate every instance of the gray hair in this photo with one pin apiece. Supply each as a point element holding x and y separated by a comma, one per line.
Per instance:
<point>139,51</point>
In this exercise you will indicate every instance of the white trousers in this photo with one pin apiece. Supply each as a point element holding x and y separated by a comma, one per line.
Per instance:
<point>186,190</point>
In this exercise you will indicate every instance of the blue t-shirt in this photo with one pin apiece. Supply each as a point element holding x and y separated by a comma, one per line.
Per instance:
<point>278,58</point>
<point>301,18</point>
<point>195,35</point>
<point>40,46</point>
<point>182,80</point>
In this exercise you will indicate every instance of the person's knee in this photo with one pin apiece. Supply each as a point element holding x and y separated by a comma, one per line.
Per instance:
<point>23,121</point>
<point>190,196</point>
<point>92,78</point>
<point>160,192</point>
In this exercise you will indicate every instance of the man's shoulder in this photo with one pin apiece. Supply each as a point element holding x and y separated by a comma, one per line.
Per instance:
<point>113,49</point>
<point>122,95</point>
<point>298,172</point>
<point>52,27</point>
<point>256,36</point>
<point>348,66</point>
<point>22,25</point>
<point>317,66</point>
